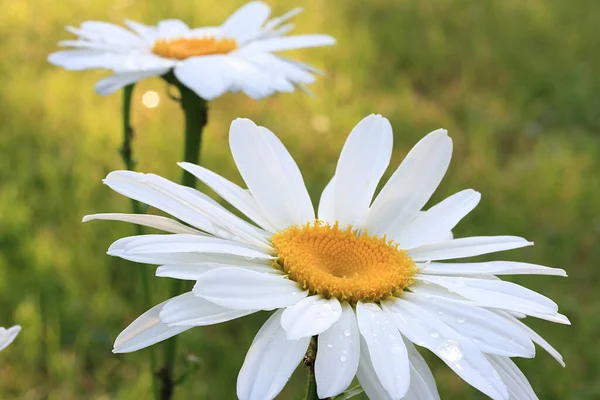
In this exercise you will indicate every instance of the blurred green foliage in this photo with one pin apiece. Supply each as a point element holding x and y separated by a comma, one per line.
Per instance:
<point>515,83</point>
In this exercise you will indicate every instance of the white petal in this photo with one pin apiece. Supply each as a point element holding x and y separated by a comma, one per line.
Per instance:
<point>363,160</point>
<point>310,316</point>
<point>422,383</point>
<point>190,310</point>
<point>145,331</point>
<point>533,335</point>
<point>489,267</point>
<point>516,382</point>
<point>270,361</point>
<point>495,294</point>
<point>433,224</point>
<point>271,174</point>
<point>192,272</point>
<point>7,336</point>
<point>186,204</point>
<point>367,377</point>
<point>115,82</point>
<point>232,193</point>
<point>182,248</point>
<point>386,348</point>
<point>487,330</point>
<point>466,247</point>
<point>326,210</point>
<point>152,221</point>
<point>241,289</point>
<point>76,60</point>
<point>208,76</point>
<point>246,22</point>
<point>291,42</point>
<point>411,186</point>
<point>422,328</point>
<point>338,353</point>
<point>172,29</point>
<point>110,32</point>
<point>148,33</point>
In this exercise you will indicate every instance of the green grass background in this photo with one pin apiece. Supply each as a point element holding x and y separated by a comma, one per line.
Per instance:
<point>516,83</point>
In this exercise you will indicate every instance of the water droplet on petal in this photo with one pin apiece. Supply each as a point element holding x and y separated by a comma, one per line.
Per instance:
<point>343,359</point>
<point>329,345</point>
<point>460,320</point>
<point>434,335</point>
<point>449,350</point>
<point>347,332</point>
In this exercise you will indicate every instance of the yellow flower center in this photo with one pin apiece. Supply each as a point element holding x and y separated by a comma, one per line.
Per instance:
<point>181,49</point>
<point>350,266</point>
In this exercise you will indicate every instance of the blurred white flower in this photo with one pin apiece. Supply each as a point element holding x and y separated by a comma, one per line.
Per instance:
<point>236,56</point>
<point>7,336</point>
<point>365,277</point>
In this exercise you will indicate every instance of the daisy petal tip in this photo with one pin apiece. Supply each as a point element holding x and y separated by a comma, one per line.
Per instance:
<point>87,218</point>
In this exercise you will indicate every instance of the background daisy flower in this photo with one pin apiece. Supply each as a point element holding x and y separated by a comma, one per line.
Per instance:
<point>365,275</point>
<point>235,56</point>
<point>7,336</point>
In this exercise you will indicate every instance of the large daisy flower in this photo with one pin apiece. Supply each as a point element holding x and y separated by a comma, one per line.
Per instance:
<point>236,56</point>
<point>365,275</point>
<point>7,336</point>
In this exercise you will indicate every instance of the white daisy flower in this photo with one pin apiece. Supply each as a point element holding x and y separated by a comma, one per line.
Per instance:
<point>366,276</point>
<point>236,56</point>
<point>7,336</point>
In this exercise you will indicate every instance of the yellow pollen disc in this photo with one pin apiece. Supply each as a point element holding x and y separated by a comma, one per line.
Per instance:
<point>340,263</point>
<point>181,49</point>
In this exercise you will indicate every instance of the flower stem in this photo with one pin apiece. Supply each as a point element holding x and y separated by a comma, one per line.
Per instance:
<point>195,110</point>
<point>309,362</point>
<point>130,163</point>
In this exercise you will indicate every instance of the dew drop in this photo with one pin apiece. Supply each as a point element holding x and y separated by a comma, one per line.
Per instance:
<point>329,345</point>
<point>440,313</point>
<point>343,359</point>
<point>460,320</point>
<point>434,335</point>
<point>347,332</point>
<point>449,350</point>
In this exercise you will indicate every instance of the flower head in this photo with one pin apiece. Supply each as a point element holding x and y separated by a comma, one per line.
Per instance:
<point>7,336</point>
<point>236,56</point>
<point>365,275</point>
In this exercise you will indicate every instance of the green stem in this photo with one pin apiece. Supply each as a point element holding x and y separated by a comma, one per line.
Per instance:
<point>130,164</point>
<point>195,110</point>
<point>309,362</point>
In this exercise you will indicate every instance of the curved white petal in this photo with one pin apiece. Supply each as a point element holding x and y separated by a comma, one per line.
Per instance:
<point>7,336</point>
<point>310,316</point>
<point>186,204</point>
<point>191,310</point>
<point>338,354</point>
<point>151,221</point>
<point>533,335</point>
<point>148,33</point>
<point>422,383</point>
<point>172,29</point>
<point>246,22</point>
<point>487,330</point>
<point>466,247</point>
<point>367,377</point>
<point>517,384</point>
<point>326,211</point>
<point>411,185</point>
<point>192,272</point>
<point>270,361</point>
<point>436,222</point>
<point>424,329</point>
<point>145,331</point>
<point>109,32</point>
<point>232,193</point>
<point>271,174</point>
<point>489,267</point>
<point>363,160</point>
<point>208,76</point>
<point>495,294</point>
<point>242,289</point>
<point>386,348</point>
<point>291,42</point>
<point>120,79</point>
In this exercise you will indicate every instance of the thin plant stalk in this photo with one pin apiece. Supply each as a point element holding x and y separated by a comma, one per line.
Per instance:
<point>130,164</point>
<point>309,362</point>
<point>195,110</point>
